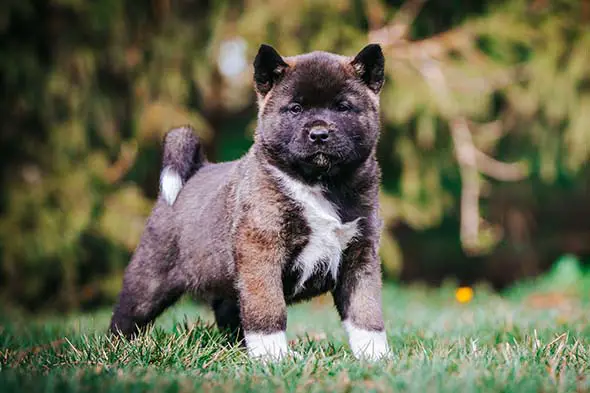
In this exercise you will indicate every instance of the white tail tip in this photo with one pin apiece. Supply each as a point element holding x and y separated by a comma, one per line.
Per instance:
<point>170,185</point>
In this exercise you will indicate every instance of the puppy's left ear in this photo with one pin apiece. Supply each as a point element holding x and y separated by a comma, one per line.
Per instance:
<point>369,64</point>
<point>269,66</point>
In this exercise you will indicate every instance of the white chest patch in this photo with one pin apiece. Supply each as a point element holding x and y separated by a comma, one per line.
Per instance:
<point>329,236</point>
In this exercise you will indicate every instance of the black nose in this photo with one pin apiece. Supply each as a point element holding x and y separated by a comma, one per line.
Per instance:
<point>319,134</point>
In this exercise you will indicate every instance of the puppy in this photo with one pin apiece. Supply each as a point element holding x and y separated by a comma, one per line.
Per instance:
<point>294,218</point>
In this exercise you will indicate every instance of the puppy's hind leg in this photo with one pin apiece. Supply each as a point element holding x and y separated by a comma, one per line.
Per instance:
<point>152,281</point>
<point>150,286</point>
<point>227,318</point>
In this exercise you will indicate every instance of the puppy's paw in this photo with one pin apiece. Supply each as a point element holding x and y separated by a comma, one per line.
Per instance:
<point>267,347</point>
<point>366,344</point>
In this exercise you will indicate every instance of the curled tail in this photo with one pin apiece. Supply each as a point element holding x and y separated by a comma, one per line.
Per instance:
<point>183,156</point>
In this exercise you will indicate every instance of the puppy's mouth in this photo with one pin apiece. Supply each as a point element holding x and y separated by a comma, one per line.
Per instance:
<point>319,164</point>
<point>321,160</point>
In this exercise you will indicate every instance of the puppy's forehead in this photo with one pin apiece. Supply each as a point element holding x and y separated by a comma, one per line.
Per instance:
<point>318,76</point>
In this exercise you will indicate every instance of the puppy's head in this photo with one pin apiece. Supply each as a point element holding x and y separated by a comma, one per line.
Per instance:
<point>318,112</point>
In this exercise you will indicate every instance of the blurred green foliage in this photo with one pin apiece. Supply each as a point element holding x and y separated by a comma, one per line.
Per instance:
<point>89,88</point>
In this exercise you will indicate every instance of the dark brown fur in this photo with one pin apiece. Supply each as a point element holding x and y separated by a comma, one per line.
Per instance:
<point>233,233</point>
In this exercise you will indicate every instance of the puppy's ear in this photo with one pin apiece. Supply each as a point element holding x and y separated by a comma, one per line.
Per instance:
<point>369,64</point>
<point>269,66</point>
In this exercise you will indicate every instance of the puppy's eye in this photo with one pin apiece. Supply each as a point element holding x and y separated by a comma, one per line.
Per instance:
<point>295,109</point>
<point>343,106</point>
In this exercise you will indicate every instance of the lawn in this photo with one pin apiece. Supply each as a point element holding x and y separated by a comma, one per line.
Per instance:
<point>534,337</point>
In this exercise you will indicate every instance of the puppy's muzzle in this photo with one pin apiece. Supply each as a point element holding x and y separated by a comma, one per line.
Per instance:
<point>319,131</point>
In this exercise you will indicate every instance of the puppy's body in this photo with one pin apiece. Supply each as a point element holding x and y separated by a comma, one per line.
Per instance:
<point>296,217</point>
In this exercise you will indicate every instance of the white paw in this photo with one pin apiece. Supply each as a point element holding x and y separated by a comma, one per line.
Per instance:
<point>263,346</point>
<point>170,185</point>
<point>366,344</point>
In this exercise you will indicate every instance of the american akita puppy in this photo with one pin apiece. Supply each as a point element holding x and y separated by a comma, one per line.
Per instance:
<point>296,217</point>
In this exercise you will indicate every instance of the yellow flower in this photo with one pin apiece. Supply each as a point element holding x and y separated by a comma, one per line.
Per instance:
<point>464,294</point>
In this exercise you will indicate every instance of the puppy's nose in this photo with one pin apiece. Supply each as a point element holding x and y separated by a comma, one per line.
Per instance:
<point>319,134</point>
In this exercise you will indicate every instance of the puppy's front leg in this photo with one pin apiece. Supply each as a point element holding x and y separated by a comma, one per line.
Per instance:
<point>263,310</point>
<point>358,300</point>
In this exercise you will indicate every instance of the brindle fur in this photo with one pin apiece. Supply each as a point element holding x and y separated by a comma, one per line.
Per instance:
<point>232,235</point>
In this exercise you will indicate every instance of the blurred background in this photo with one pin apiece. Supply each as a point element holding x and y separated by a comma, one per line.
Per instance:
<point>485,143</point>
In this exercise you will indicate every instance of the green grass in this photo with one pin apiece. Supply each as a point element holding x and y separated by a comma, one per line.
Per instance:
<point>534,338</point>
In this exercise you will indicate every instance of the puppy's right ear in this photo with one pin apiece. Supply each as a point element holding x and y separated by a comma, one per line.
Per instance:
<point>269,66</point>
<point>369,64</point>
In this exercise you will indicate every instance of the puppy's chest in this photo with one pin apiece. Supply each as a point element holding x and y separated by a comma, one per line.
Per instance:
<point>319,259</point>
